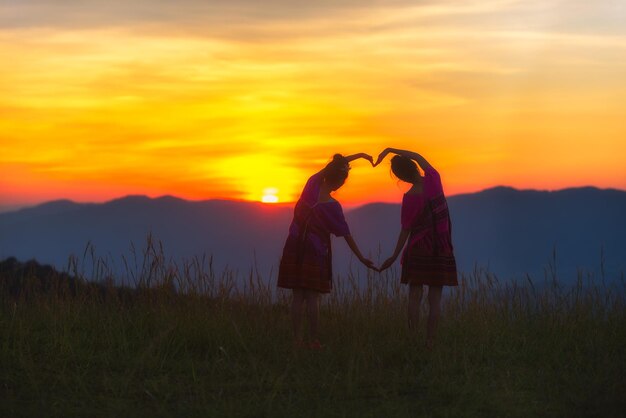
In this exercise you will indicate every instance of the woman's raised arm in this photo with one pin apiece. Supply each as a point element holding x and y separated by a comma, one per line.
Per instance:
<point>409,154</point>
<point>360,155</point>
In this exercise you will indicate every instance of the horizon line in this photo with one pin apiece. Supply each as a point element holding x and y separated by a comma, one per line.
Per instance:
<point>13,208</point>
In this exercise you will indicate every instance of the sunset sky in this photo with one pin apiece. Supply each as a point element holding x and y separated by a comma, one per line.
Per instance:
<point>207,99</point>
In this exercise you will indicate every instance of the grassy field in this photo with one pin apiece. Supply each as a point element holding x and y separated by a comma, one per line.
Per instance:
<point>221,349</point>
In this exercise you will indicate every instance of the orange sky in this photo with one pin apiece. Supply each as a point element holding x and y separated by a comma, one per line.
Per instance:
<point>206,100</point>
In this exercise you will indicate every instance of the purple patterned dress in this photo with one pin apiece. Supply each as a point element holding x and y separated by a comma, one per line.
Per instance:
<point>428,258</point>
<point>307,256</point>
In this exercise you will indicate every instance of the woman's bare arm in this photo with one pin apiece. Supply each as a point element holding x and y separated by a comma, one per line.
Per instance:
<point>357,252</point>
<point>409,154</point>
<point>360,155</point>
<point>404,234</point>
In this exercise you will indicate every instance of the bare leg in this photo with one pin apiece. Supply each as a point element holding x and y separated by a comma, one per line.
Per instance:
<point>313,311</point>
<point>434,304</point>
<point>415,299</point>
<point>297,305</point>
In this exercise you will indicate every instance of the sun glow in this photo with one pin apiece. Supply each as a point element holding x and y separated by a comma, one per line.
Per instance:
<point>99,102</point>
<point>269,195</point>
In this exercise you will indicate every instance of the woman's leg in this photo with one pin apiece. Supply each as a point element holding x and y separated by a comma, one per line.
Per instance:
<point>434,305</point>
<point>297,305</point>
<point>313,311</point>
<point>415,299</point>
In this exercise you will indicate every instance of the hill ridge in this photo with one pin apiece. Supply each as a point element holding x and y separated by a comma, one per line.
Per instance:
<point>513,232</point>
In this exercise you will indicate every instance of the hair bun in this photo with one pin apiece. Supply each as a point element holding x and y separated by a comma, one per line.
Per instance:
<point>336,171</point>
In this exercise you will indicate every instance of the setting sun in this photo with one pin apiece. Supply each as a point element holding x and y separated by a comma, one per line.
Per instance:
<point>269,195</point>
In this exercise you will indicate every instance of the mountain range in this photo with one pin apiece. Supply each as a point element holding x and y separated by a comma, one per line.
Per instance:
<point>510,233</point>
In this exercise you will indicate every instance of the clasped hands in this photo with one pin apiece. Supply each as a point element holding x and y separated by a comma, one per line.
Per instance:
<point>370,264</point>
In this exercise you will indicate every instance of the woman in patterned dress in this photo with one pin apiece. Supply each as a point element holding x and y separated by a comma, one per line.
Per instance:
<point>306,263</point>
<point>429,257</point>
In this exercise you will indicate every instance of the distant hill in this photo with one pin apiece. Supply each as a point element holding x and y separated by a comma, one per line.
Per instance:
<point>514,232</point>
<point>517,232</point>
<point>230,231</point>
<point>508,231</point>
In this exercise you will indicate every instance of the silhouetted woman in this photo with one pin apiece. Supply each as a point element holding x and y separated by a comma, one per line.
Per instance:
<point>429,257</point>
<point>306,264</point>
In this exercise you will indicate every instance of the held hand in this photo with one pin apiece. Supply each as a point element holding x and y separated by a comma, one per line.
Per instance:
<point>388,262</point>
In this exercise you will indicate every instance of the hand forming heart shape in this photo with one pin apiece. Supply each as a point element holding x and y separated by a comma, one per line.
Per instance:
<point>381,156</point>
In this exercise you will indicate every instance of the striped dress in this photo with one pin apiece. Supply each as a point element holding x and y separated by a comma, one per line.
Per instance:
<point>428,258</point>
<point>306,262</point>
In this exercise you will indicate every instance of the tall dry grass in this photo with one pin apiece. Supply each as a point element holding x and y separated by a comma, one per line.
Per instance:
<point>167,338</point>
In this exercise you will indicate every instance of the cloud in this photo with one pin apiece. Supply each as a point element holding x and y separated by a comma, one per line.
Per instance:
<point>245,18</point>
<point>118,13</point>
